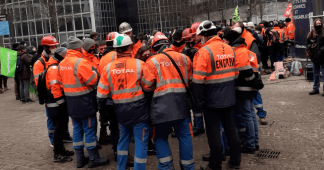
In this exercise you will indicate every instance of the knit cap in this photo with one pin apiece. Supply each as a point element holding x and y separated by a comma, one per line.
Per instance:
<point>88,43</point>
<point>232,35</point>
<point>177,35</point>
<point>74,43</point>
<point>61,51</point>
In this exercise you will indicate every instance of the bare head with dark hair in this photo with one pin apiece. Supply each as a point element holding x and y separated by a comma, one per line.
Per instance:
<point>143,53</point>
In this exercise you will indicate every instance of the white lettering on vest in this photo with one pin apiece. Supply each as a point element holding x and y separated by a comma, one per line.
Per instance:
<point>115,71</point>
<point>163,63</point>
<point>65,68</point>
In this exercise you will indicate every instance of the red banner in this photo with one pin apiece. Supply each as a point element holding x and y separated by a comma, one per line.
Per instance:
<point>288,12</point>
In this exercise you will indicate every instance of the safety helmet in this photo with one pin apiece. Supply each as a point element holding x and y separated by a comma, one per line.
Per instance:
<point>194,28</point>
<point>244,24</point>
<point>111,36</point>
<point>122,40</point>
<point>205,26</point>
<point>187,33</point>
<point>250,24</point>
<point>124,27</point>
<point>49,41</point>
<point>159,39</point>
<point>280,22</point>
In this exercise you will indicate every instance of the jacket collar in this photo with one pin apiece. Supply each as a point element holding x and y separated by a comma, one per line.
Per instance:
<point>52,60</point>
<point>213,39</point>
<point>238,42</point>
<point>73,53</point>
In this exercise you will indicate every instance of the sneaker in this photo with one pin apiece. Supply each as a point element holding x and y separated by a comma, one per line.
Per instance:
<point>233,166</point>
<point>61,159</point>
<point>151,152</point>
<point>52,145</point>
<point>68,140</point>
<point>313,92</point>
<point>263,121</point>
<point>23,101</point>
<point>205,167</point>
<point>30,101</point>
<point>198,132</point>
<point>205,157</point>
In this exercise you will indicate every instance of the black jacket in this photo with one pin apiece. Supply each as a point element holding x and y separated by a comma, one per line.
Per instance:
<point>317,53</point>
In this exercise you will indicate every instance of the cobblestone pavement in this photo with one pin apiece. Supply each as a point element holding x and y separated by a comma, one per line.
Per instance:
<point>295,130</point>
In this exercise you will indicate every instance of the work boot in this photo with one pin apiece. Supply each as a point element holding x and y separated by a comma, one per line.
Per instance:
<point>104,138</point>
<point>313,92</point>
<point>67,152</point>
<point>198,132</point>
<point>95,160</point>
<point>61,159</point>
<point>263,121</point>
<point>205,157</point>
<point>233,166</point>
<point>247,150</point>
<point>205,167</point>
<point>81,159</point>
<point>130,160</point>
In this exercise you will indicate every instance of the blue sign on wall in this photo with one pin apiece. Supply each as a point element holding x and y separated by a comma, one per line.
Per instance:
<point>301,10</point>
<point>4,28</point>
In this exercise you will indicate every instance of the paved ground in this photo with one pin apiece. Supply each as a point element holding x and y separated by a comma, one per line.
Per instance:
<point>295,130</point>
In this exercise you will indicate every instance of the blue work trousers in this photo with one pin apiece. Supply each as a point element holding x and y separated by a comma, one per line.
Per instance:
<point>86,127</point>
<point>198,120</point>
<point>316,73</point>
<point>50,129</point>
<point>183,130</point>
<point>258,104</point>
<point>141,136</point>
<point>245,107</point>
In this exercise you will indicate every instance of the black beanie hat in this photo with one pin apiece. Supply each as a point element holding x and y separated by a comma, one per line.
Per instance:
<point>177,34</point>
<point>231,36</point>
<point>287,19</point>
<point>266,24</point>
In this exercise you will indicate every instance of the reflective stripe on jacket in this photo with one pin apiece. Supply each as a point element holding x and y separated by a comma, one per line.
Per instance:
<point>282,34</point>
<point>78,82</point>
<point>122,78</point>
<point>290,31</point>
<point>105,60</point>
<point>214,75</point>
<point>169,101</point>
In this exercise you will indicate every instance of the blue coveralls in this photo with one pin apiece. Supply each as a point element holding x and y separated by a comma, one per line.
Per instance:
<point>258,104</point>
<point>85,126</point>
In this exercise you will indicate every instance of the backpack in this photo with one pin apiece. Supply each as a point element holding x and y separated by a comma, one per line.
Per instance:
<point>273,37</point>
<point>19,65</point>
<point>41,88</point>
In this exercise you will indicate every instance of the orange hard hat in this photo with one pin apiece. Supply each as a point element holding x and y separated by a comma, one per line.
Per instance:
<point>187,33</point>
<point>159,39</point>
<point>111,36</point>
<point>49,41</point>
<point>194,28</point>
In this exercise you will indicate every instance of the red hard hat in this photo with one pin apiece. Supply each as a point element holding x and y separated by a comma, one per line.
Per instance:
<point>49,41</point>
<point>157,40</point>
<point>194,28</point>
<point>111,36</point>
<point>187,33</point>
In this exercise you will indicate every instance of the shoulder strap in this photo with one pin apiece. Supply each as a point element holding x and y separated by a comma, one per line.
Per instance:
<point>42,61</point>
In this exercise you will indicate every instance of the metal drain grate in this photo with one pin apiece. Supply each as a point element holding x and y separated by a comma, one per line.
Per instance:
<point>271,154</point>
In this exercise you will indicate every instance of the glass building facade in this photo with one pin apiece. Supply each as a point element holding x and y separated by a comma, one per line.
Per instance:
<point>74,18</point>
<point>162,15</point>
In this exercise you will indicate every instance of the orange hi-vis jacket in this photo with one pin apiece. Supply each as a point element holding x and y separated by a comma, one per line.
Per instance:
<point>214,75</point>
<point>55,97</point>
<point>285,31</point>
<point>245,77</point>
<point>39,67</point>
<point>282,34</point>
<point>169,101</point>
<point>78,82</point>
<point>248,38</point>
<point>178,49</point>
<point>122,78</point>
<point>198,46</point>
<point>290,31</point>
<point>105,60</point>
<point>135,48</point>
<point>91,58</point>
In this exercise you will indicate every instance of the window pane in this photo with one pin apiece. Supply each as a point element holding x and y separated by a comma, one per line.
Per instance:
<point>39,27</point>
<point>37,12</point>
<point>68,9</point>
<point>46,27</point>
<point>23,11</point>
<point>63,38</point>
<point>69,23</point>
<point>33,41</point>
<point>76,7</point>
<point>87,21</point>
<point>31,26</point>
<point>71,34</point>
<point>25,28</point>
<point>61,24</point>
<point>85,6</point>
<point>18,29</point>
<point>78,22</point>
<point>60,10</point>
<point>30,11</point>
<point>16,13</point>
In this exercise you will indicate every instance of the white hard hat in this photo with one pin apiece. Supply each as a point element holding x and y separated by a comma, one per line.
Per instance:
<point>124,27</point>
<point>244,23</point>
<point>205,26</point>
<point>122,40</point>
<point>250,24</point>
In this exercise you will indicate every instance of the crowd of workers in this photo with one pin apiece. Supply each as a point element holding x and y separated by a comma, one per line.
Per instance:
<point>147,87</point>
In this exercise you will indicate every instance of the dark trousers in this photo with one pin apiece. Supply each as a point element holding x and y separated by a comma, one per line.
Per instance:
<point>24,89</point>
<point>113,127</point>
<point>213,117</point>
<point>4,78</point>
<point>17,84</point>
<point>264,56</point>
<point>60,125</point>
<point>273,51</point>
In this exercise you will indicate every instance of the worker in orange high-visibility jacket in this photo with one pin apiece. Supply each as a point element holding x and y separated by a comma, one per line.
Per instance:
<point>49,44</point>
<point>213,89</point>
<point>169,106</point>
<point>245,84</point>
<point>56,106</point>
<point>90,48</point>
<point>197,39</point>
<point>79,79</point>
<point>109,54</point>
<point>291,36</point>
<point>125,28</point>
<point>281,47</point>
<point>122,78</point>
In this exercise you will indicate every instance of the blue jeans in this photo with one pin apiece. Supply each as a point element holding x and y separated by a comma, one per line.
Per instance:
<point>316,71</point>
<point>141,133</point>
<point>245,107</point>
<point>258,104</point>
<point>183,131</point>
<point>292,50</point>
